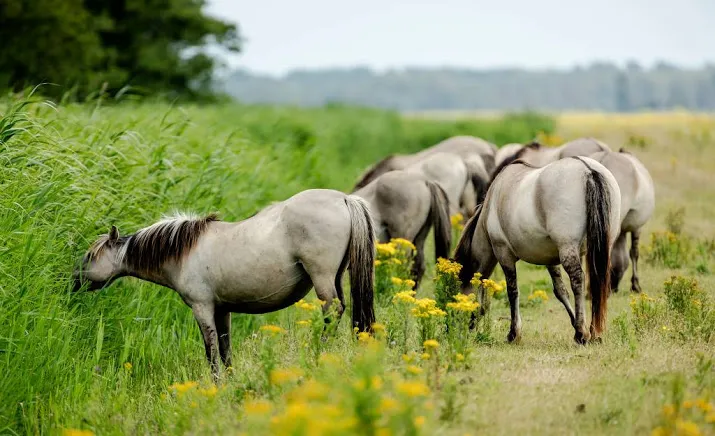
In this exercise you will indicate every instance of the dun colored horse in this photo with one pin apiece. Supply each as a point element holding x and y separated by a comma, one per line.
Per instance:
<point>262,264</point>
<point>637,206</point>
<point>406,205</point>
<point>547,216</point>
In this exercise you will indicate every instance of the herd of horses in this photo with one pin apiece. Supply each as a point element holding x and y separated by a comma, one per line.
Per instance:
<point>543,205</point>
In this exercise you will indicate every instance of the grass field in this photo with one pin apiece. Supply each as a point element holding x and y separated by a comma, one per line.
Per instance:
<point>129,359</point>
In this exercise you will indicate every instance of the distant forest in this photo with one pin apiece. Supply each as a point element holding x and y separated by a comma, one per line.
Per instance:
<point>599,86</point>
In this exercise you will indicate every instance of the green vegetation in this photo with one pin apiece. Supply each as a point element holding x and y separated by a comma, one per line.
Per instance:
<point>68,173</point>
<point>86,46</point>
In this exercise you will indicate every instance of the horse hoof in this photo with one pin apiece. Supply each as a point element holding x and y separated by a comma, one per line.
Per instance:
<point>513,338</point>
<point>596,340</point>
<point>581,338</point>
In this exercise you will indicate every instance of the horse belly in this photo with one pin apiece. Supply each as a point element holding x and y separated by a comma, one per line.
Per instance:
<point>537,250</point>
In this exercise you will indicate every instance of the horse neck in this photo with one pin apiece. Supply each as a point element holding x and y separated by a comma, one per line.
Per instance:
<point>164,276</point>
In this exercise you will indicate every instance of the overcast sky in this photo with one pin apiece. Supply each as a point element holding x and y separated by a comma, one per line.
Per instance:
<point>282,35</point>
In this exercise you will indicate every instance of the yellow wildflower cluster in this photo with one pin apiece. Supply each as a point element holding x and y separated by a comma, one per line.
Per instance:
<point>426,307</point>
<point>413,388</point>
<point>464,303</point>
<point>641,298</point>
<point>404,297</point>
<point>182,388</point>
<point>457,220</point>
<point>77,432</point>
<point>403,243</point>
<point>538,295</point>
<point>285,375</point>
<point>446,266</point>
<point>400,282</point>
<point>257,407</point>
<point>128,366</point>
<point>493,288</point>
<point>304,305</point>
<point>430,344</point>
<point>675,422</point>
<point>386,250</point>
<point>272,329</point>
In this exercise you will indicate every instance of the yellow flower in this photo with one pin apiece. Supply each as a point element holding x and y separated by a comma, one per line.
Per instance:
<point>687,404</point>
<point>412,369</point>
<point>209,392</point>
<point>464,303</point>
<point>419,421</point>
<point>448,267</point>
<point>460,357</point>
<point>538,295</point>
<point>410,283</point>
<point>396,281</point>
<point>431,344</point>
<point>659,431</point>
<point>257,407</point>
<point>396,261</point>
<point>687,428</point>
<point>386,250</point>
<point>364,337</point>
<point>128,366</point>
<point>304,305</point>
<point>704,405</point>
<point>304,322</point>
<point>710,419</point>
<point>456,220</point>
<point>404,297</point>
<point>378,328</point>
<point>77,432</point>
<point>476,279</point>
<point>311,390</point>
<point>407,358</point>
<point>273,329</point>
<point>413,389</point>
<point>426,356</point>
<point>182,388</point>
<point>376,382</point>
<point>403,243</point>
<point>387,405</point>
<point>282,376</point>
<point>669,410</point>
<point>426,307</point>
<point>378,262</point>
<point>493,287</point>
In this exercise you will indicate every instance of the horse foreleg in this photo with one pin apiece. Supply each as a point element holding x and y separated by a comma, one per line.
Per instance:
<point>204,315</point>
<point>571,261</point>
<point>560,291</point>
<point>223,329</point>
<point>513,293</point>
<point>635,284</point>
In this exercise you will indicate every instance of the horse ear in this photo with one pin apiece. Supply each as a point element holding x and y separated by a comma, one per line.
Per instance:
<point>113,233</point>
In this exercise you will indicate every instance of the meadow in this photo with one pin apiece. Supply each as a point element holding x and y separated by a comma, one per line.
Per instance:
<point>129,359</point>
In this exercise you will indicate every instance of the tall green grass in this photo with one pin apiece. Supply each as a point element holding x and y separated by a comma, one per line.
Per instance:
<point>68,173</point>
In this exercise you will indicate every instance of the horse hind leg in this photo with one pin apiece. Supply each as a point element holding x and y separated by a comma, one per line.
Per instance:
<point>635,283</point>
<point>619,261</point>
<point>571,262</point>
<point>326,286</point>
<point>560,291</point>
<point>513,293</point>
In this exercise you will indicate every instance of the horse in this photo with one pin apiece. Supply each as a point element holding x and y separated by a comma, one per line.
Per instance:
<point>261,264</point>
<point>453,174</point>
<point>406,205</point>
<point>538,155</point>
<point>471,149</point>
<point>637,206</point>
<point>506,151</point>
<point>547,216</point>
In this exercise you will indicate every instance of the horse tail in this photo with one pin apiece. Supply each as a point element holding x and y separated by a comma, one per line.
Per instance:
<point>361,258</point>
<point>439,216</point>
<point>463,253</point>
<point>598,246</point>
<point>480,186</point>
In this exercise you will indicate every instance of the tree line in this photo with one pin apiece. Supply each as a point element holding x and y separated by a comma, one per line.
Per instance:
<point>83,46</point>
<point>599,86</point>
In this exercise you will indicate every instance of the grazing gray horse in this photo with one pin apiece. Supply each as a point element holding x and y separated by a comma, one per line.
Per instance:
<point>637,206</point>
<point>506,151</point>
<point>262,264</point>
<point>547,216</point>
<point>469,148</point>
<point>538,155</point>
<point>407,205</point>
<point>453,175</point>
